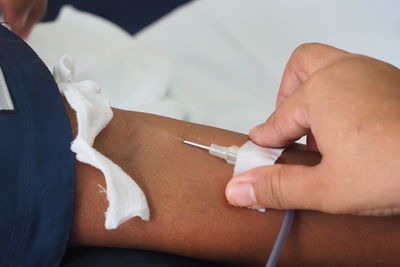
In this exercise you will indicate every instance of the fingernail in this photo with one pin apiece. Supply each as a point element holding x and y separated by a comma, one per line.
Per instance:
<point>242,194</point>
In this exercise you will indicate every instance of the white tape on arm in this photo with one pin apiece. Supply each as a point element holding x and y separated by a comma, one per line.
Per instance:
<point>251,155</point>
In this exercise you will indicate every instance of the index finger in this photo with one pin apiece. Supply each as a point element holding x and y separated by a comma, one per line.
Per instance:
<point>304,61</point>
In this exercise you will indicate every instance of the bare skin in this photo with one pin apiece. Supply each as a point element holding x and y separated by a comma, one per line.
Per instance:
<point>21,15</point>
<point>190,215</point>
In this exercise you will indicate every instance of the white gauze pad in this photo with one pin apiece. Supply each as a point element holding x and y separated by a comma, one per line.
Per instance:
<point>125,198</point>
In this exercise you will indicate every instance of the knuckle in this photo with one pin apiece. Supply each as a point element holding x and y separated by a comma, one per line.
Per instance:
<point>306,49</point>
<point>301,57</point>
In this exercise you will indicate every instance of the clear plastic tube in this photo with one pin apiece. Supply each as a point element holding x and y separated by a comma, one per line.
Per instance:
<point>227,153</point>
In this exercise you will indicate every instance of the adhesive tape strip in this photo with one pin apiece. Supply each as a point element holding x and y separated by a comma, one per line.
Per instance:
<point>251,155</point>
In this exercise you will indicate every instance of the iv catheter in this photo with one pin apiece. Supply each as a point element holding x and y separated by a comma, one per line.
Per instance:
<point>229,154</point>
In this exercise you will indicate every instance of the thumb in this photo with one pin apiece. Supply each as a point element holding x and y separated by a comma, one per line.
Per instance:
<point>277,186</point>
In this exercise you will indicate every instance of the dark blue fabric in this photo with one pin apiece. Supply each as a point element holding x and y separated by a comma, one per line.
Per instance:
<point>131,15</point>
<point>118,257</point>
<point>37,167</point>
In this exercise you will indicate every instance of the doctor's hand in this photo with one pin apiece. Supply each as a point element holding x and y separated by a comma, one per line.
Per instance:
<point>349,106</point>
<point>23,14</point>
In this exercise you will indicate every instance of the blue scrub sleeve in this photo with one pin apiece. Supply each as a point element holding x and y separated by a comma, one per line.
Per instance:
<point>37,167</point>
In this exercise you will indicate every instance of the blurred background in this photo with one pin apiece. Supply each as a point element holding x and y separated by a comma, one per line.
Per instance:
<point>216,62</point>
<point>130,15</point>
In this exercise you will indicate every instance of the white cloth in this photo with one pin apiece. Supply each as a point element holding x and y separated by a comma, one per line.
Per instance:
<point>131,76</point>
<point>214,62</point>
<point>228,56</point>
<point>93,111</point>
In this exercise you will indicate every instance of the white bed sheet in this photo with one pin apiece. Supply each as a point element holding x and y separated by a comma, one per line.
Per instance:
<point>130,75</point>
<point>216,62</point>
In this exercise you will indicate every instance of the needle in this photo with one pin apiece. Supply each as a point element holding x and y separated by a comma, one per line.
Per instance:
<point>196,144</point>
<point>229,154</point>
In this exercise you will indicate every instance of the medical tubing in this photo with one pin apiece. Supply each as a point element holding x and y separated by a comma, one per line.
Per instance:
<point>280,240</point>
<point>230,155</point>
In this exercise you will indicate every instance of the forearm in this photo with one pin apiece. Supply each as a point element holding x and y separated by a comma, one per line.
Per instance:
<point>189,213</point>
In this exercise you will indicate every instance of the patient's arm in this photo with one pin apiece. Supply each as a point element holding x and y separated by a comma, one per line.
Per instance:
<point>190,215</point>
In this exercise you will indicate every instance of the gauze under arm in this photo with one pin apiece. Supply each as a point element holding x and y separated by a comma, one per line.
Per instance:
<point>125,198</point>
